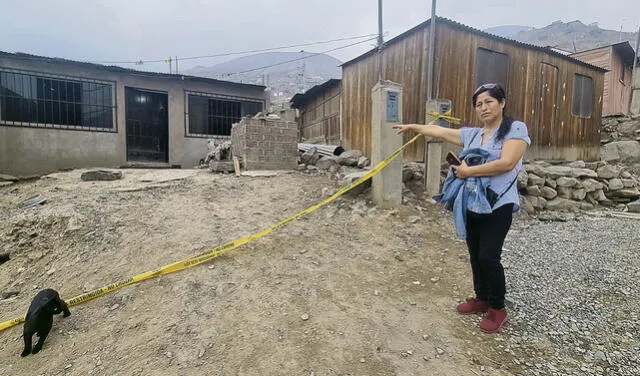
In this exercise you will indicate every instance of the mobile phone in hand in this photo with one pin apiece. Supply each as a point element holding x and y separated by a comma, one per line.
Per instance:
<point>452,159</point>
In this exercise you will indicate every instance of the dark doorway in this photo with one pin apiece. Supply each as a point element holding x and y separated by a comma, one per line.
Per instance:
<point>147,126</point>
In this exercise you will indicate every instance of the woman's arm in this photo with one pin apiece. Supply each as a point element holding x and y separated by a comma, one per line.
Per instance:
<point>512,152</point>
<point>431,130</point>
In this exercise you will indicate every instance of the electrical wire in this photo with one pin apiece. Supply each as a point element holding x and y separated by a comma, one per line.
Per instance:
<point>138,62</point>
<point>300,58</point>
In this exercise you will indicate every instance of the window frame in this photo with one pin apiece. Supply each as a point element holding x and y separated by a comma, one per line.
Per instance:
<point>581,104</point>
<point>74,79</point>
<point>232,98</point>
<point>476,71</point>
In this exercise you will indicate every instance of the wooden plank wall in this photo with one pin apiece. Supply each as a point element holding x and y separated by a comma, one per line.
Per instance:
<point>320,117</point>
<point>620,81</point>
<point>562,136</point>
<point>528,99</point>
<point>404,64</point>
<point>601,57</point>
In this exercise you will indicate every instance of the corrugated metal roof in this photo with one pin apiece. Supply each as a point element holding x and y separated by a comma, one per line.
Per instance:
<point>301,98</point>
<point>477,32</point>
<point>117,69</point>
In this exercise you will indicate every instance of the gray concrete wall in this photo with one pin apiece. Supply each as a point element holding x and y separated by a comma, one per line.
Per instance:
<point>26,151</point>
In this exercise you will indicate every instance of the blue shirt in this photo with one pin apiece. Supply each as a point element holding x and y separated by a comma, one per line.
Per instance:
<point>472,138</point>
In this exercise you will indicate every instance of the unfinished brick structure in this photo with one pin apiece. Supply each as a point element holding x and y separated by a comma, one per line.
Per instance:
<point>265,144</point>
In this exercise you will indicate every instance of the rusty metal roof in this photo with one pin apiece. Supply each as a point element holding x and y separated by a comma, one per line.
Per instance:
<point>301,98</point>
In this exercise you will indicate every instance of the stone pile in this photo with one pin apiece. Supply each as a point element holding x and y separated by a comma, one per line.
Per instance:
<point>313,160</point>
<point>577,186</point>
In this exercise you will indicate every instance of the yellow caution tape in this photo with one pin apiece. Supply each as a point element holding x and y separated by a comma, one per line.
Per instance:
<point>224,248</point>
<point>446,116</point>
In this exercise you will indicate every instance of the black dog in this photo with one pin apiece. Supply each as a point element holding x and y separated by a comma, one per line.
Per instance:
<point>40,317</point>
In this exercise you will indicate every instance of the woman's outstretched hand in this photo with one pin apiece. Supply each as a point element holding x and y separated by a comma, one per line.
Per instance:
<point>401,127</point>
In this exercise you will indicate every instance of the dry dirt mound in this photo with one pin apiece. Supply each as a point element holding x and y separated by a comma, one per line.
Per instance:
<point>347,290</point>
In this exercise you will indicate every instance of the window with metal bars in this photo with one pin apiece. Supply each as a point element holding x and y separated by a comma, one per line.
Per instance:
<point>50,102</point>
<point>214,116</point>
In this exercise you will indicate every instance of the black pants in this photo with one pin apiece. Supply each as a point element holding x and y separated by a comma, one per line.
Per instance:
<point>485,237</point>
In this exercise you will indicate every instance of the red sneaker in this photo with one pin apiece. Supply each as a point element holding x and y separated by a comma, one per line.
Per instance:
<point>493,320</point>
<point>474,305</point>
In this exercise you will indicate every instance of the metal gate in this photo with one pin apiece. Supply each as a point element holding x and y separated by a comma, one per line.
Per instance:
<point>147,126</point>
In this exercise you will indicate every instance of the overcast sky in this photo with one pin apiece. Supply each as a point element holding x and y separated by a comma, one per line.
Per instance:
<point>128,30</point>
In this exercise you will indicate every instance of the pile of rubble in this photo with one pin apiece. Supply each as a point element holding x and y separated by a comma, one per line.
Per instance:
<point>578,186</point>
<point>329,158</point>
<point>219,158</point>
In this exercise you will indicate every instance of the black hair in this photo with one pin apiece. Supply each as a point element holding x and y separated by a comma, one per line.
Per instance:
<point>496,91</point>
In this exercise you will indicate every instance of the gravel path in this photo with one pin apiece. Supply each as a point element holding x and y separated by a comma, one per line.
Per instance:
<point>573,289</point>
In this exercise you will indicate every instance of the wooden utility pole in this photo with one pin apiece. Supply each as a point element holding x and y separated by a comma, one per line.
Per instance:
<point>380,44</point>
<point>634,101</point>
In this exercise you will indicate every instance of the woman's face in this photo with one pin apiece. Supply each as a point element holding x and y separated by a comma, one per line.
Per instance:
<point>488,109</point>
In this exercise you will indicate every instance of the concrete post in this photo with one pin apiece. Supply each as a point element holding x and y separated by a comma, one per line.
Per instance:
<point>433,152</point>
<point>386,111</point>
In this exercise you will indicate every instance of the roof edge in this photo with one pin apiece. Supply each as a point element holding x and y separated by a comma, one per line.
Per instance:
<point>461,26</point>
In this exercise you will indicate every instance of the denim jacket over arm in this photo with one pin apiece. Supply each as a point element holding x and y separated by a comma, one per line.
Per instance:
<point>460,195</point>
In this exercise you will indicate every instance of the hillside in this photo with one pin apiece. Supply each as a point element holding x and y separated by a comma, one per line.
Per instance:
<point>571,36</point>
<point>285,73</point>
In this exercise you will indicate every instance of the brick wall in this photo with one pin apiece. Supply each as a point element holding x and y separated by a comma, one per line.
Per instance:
<point>265,144</point>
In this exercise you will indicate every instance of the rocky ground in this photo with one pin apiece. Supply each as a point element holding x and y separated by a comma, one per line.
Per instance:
<point>347,290</point>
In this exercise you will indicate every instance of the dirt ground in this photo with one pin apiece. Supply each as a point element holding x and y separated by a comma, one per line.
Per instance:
<point>347,290</point>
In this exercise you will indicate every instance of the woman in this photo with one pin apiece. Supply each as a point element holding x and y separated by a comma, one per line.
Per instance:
<point>506,141</point>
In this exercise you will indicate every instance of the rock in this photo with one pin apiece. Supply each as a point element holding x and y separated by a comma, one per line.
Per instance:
<point>551,183</point>
<point>414,219</point>
<point>310,157</point>
<point>350,178</point>
<point>326,162</point>
<point>591,185</point>
<point>566,182</point>
<point>5,183</point>
<point>114,307</point>
<point>538,202</point>
<point>608,172</point>
<point>101,175</point>
<point>51,271</point>
<point>536,168</point>
<point>594,165</point>
<point>597,195</point>
<point>526,205</point>
<point>9,294</point>
<point>565,192</point>
<point>533,190</point>
<point>349,158</point>
<point>548,193</point>
<point>579,194</point>
<point>304,317</point>
<point>577,164</point>
<point>363,162</point>
<point>4,177</point>
<point>563,204</point>
<point>555,172</point>
<point>553,216</point>
<point>586,206</point>
<point>628,183</point>
<point>523,177</point>
<point>583,173</point>
<point>621,151</point>
<point>615,184</point>
<point>634,207</point>
<point>535,180</point>
<point>631,193</point>
<point>439,351</point>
